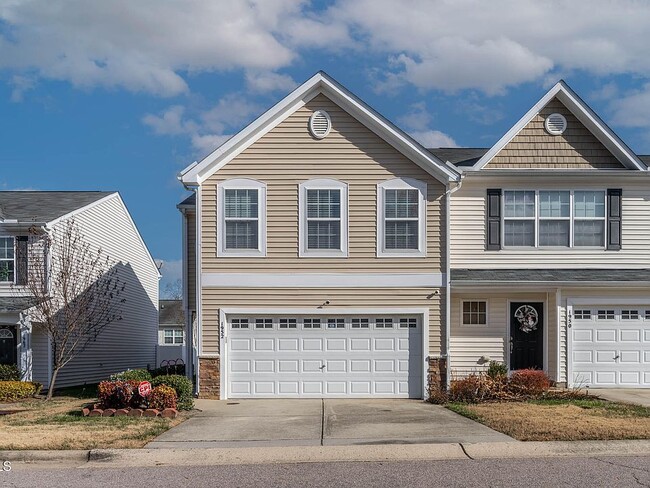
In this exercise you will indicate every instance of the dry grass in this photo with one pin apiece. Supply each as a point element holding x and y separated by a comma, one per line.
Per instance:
<point>562,420</point>
<point>58,424</point>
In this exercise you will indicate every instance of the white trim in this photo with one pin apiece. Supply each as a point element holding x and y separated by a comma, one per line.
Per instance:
<point>322,112</point>
<point>199,289</point>
<point>487,313</point>
<point>241,184</point>
<point>402,184</point>
<point>195,174</point>
<point>322,311</point>
<point>583,113</point>
<point>558,318</point>
<point>322,184</point>
<point>322,280</point>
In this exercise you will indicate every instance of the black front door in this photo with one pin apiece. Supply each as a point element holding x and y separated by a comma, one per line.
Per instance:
<point>8,345</point>
<point>526,335</point>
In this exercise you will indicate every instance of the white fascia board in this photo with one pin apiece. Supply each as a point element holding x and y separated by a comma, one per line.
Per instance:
<point>52,223</point>
<point>583,113</point>
<point>195,174</point>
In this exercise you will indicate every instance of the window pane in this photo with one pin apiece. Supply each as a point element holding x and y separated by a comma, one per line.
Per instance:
<point>401,204</point>
<point>6,247</point>
<point>589,233</point>
<point>554,204</point>
<point>6,270</point>
<point>589,204</point>
<point>401,234</point>
<point>241,204</point>
<point>323,204</point>
<point>519,233</point>
<point>241,234</point>
<point>324,234</point>
<point>554,233</point>
<point>519,204</point>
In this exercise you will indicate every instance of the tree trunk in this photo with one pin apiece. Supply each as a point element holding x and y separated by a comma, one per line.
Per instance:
<point>50,390</point>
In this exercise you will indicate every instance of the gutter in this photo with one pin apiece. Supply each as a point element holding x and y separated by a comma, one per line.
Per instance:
<point>474,284</point>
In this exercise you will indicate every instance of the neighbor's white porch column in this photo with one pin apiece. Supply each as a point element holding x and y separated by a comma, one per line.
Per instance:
<point>25,346</point>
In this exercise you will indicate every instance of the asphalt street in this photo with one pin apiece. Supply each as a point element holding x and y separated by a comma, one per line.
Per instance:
<point>541,472</point>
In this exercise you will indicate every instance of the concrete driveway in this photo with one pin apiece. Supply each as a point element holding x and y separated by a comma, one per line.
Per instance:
<point>244,423</point>
<point>636,396</point>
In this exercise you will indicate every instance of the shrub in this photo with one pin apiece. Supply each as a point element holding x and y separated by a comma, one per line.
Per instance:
<point>132,374</point>
<point>115,394</point>
<point>471,389</point>
<point>529,382</point>
<point>182,386</point>
<point>497,370</point>
<point>162,397</point>
<point>178,369</point>
<point>437,396</point>
<point>9,372</point>
<point>16,390</point>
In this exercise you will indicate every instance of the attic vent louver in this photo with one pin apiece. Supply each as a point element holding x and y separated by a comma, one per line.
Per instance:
<point>320,124</point>
<point>555,124</point>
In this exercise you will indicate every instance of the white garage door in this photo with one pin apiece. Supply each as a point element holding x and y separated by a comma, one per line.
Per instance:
<point>335,356</point>
<point>610,346</point>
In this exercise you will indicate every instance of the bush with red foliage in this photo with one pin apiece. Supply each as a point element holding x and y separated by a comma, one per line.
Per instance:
<point>115,394</point>
<point>162,397</point>
<point>528,382</point>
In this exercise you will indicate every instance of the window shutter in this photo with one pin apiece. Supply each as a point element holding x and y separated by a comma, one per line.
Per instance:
<point>21,260</point>
<point>614,211</point>
<point>493,242</point>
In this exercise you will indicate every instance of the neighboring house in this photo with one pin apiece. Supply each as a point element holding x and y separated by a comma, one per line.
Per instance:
<point>550,250</point>
<point>317,258</point>
<point>105,223</point>
<point>296,292</point>
<point>171,333</point>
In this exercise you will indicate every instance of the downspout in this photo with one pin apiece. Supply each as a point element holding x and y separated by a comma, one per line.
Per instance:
<point>448,194</point>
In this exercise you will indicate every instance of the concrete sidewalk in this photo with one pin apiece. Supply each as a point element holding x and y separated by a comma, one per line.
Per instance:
<point>317,422</point>
<point>120,458</point>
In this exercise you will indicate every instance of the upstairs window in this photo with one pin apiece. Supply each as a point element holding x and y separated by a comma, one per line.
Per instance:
<point>172,336</point>
<point>401,218</point>
<point>241,213</point>
<point>7,259</point>
<point>589,218</point>
<point>323,218</point>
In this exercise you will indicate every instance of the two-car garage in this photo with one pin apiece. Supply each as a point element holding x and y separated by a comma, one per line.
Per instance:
<point>609,345</point>
<point>308,355</point>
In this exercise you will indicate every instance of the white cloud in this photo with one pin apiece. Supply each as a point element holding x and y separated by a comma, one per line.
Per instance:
<point>433,138</point>
<point>21,85</point>
<point>632,109</point>
<point>170,122</point>
<point>418,117</point>
<point>267,81</point>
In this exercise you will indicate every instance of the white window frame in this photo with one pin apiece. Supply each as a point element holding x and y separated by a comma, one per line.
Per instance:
<point>571,217</point>
<point>322,184</point>
<point>402,184</point>
<point>174,331</point>
<point>241,184</point>
<point>487,312</point>
<point>13,239</point>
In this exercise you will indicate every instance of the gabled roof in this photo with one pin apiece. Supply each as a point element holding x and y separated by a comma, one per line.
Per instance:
<point>196,173</point>
<point>26,207</point>
<point>584,114</point>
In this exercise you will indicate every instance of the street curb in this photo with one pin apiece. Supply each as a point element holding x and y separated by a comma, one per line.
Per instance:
<point>33,456</point>
<point>495,450</point>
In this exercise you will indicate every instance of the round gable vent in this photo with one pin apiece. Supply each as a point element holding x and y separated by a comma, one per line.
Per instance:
<point>555,124</point>
<point>320,124</point>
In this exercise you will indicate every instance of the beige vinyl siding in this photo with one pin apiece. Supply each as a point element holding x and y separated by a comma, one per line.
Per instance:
<point>468,343</point>
<point>191,259</point>
<point>467,224</point>
<point>533,147</point>
<point>279,298</point>
<point>131,342</point>
<point>287,156</point>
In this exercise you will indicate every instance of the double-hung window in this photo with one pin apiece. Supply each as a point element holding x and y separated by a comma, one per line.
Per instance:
<point>241,210</point>
<point>172,336</point>
<point>323,218</point>
<point>7,259</point>
<point>553,218</point>
<point>401,218</point>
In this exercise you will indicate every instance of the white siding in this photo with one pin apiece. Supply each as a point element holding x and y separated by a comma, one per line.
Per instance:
<point>467,225</point>
<point>131,342</point>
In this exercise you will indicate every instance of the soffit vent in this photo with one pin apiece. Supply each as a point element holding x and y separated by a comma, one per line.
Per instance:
<point>320,124</point>
<point>555,124</point>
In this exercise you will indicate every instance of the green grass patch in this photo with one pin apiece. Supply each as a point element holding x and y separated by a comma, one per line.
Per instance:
<point>612,408</point>
<point>462,409</point>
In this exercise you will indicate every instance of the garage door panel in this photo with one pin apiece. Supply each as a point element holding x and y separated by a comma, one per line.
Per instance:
<point>353,358</point>
<point>630,378</point>
<point>605,377</point>
<point>630,357</point>
<point>630,336</point>
<point>646,335</point>
<point>606,335</point>
<point>582,336</point>
<point>604,357</point>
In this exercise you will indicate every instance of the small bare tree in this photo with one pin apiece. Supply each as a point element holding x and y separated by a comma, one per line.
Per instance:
<point>78,293</point>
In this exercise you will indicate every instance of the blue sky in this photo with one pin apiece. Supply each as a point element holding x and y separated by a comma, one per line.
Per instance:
<point>121,95</point>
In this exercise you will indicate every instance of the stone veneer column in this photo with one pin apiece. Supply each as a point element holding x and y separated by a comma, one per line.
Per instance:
<point>437,374</point>
<point>209,378</point>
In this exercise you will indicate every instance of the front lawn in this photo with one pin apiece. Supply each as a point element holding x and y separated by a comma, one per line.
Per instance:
<point>561,419</point>
<point>59,424</point>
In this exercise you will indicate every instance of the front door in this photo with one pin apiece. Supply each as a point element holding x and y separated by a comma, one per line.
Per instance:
<point>526,335</point>
<point>8,345</point>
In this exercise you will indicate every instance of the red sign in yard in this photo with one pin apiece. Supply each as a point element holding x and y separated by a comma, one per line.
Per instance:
<point>144,389</point>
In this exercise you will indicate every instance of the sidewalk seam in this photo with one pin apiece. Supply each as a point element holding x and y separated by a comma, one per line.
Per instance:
<point>465,452</point>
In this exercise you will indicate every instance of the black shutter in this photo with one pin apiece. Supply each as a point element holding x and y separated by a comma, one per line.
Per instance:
<point>21,260</point>
<point>493,238</point>
<point>614,212</point>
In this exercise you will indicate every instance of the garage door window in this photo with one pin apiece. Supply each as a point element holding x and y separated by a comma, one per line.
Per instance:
<point>647,314</point>
<point>263,323</point>
<point>410,323</point>
<point>239,324</point>
<point>384,323</point>
<point>630,314</point>
<point>582,314</point>
<point>311,324</point>
<point>606,315</point>
<point>336,323</point>
<point>360,323</point>
<point>288,323</point>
